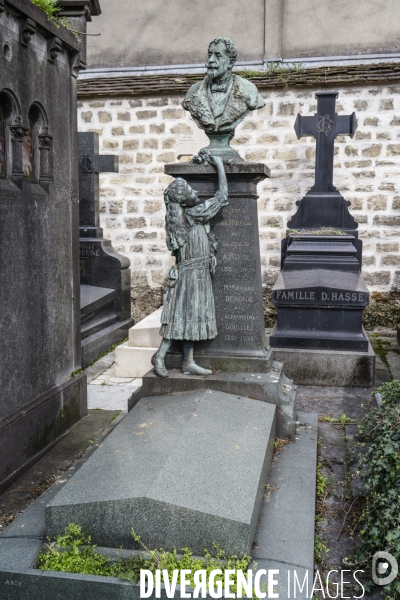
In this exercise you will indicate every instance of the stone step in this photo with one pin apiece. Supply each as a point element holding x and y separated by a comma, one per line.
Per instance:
<point>273,387</point>
<point>97,309</point>
<point>133,361</point>
<point>145,334</point>
<point>184,469</point>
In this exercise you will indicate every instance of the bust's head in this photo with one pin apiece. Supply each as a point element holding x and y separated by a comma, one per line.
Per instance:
<point>222,53</point>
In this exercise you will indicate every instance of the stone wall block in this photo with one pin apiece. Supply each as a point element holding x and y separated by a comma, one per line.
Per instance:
<point>144,157</point>
<point>373,150</point>
<point>157,128</point>
<point>371,122</point>
<point>389,220</point>
<point>393,150</point>
<point>124,116</point>
<point>131,144</point>
<point>86,116</point>
<point>150,143</point>
<point>376,278</point>
<point>386,104</point>
<point>135,222</point>
<point>104,116</point>
<point>131,206</point>
<point>110,144</point>
<point>152,206</point>
<point>117,131</point>
<point>173,113</point>
<point>391,260</point>
<point>157,102</point>
<point>136,129</point>
<point>392,247</point>
<point>146,114</point>
<point>182,129</point>
<point>166,157</point>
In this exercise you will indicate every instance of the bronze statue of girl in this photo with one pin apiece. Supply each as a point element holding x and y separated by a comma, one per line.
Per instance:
<point>189,311</point>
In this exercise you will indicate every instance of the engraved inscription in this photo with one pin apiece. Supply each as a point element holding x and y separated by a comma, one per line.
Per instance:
<point>237,244</point>
<point>89,250</point>
<point>246,317</point>
<point>237,287</point>
<point>236,270</point>
<point>233,256</point>
<point>319,296</point>
<point>235,223</point>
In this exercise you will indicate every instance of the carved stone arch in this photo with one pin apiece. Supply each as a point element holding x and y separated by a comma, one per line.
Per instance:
<point>38,146</point>
<point>10,115</point>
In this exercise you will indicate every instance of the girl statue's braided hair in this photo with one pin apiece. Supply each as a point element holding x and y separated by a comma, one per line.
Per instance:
<point>175,222</point>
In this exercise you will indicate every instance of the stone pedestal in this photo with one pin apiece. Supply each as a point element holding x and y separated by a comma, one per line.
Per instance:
<point>320,295</point>
<point>237,282</point>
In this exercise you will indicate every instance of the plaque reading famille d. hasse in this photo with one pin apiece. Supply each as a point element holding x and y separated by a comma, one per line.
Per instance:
<point>319,296</point>
<point>320,287</point>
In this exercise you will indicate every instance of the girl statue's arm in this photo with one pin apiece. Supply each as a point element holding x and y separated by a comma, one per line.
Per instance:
<point>222,182</point>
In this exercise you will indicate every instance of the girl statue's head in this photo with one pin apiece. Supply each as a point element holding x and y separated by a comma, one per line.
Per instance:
<point>175,197</point>
<point>181,193</point>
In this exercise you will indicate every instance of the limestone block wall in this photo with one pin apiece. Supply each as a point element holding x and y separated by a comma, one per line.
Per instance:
<point>148,132</point>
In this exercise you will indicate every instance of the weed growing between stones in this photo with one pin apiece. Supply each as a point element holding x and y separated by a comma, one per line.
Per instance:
<point>378,522</point>
<point>322,492</point>
<point>50,7</point>
<point>383,310</point>
<point>74,552</point>
<point>52,10</point>
<point>319,231</point>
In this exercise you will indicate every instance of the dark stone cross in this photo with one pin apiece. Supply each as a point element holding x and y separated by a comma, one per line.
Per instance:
<point>325,125</point>
<point>323,205</point>
<point>91,163</point>
<point>105,274</point>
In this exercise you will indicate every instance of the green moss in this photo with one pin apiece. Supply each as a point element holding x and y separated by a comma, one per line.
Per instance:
<point>383,310</point>
<point>50,7</point>
<point>110,349</point>
<point>73,552</point>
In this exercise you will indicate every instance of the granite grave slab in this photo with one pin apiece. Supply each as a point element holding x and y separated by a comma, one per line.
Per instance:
<point>167,469</point>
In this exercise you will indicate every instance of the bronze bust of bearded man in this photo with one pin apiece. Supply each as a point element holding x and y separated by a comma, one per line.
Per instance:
<point>221,100</point>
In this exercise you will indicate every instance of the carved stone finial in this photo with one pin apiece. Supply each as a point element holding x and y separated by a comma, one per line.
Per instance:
<point>18,132</point>
<point>28,29</point>
<point>77,64</point>
<point>54,48</point>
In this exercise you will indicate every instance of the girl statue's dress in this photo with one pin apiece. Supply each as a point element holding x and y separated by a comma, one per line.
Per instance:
<point>189,310</point>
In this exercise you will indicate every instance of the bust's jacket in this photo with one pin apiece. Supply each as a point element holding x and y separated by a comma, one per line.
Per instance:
<point>243,97</point>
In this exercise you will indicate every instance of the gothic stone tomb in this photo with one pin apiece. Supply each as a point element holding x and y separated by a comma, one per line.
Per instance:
<point>320,293</point>
<point>39,288</point>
